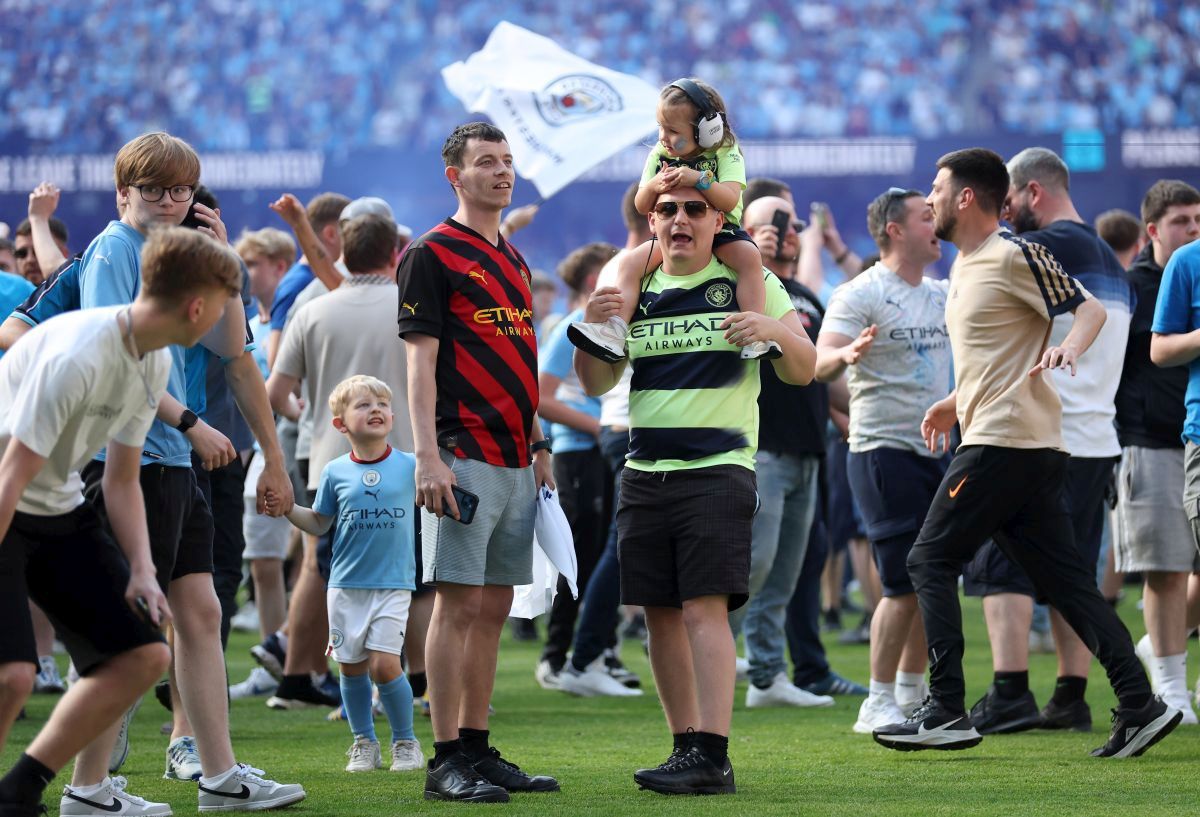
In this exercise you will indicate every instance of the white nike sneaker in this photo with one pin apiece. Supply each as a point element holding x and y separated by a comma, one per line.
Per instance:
<point>407,756</point>
<point>245,789</point>
<point>762,350</point>
<point>259,682</point>
<point>48,681</point>
<point>120,749</point>
<point>109,799</point>
<point>782,692</point>
<point>603,340</point>
<point>546,675</point>
<point>364,755</point>
<point>910,698</point>
<point>876,712</point>
<point>593,683</point>
<point>183,759</point>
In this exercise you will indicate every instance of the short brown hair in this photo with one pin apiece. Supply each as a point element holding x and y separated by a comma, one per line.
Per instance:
<point>1119,228</point>
<point>761,186</point>
<point>1165,194</point>
<point>887,208</point>
<point>574,269</point>
<point>273,244</point>
<point>325,209</point>
<point>156,158</point>
<point>178,263</point>
<point>57,229</point>
<point>456,143</point>
<point>368,243</point>
<point>983,171</point>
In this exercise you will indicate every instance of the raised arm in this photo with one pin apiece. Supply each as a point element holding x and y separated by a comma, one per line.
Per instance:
<point>43,201</point>
<point>289,208</point>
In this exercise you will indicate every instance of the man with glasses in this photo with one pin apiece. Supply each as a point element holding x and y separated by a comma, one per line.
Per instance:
<point>887,330</point>
<point>688,490</point>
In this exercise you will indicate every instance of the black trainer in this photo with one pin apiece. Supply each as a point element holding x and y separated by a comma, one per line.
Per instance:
<point>994,715</point>
<point>1134,731</point>
<point>932,726</point>
<point>22,810</point>
<point>688,772</point>
<point>456,779</point>
<point>495,769</point>
<point>299,692</point>
<point>1075,716</point>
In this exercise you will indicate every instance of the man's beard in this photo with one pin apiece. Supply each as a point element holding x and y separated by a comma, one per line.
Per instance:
<point>1023,220</point>
<point>944,228</point>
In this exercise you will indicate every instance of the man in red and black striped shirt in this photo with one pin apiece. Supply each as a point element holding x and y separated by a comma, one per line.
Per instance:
<point>466,313</point>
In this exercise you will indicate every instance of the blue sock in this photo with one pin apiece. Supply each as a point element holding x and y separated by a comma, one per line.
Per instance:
<point>397,698</point>
<point>356,698</point>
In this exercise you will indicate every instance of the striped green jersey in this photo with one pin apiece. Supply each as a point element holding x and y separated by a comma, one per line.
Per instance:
<point>693,401</point>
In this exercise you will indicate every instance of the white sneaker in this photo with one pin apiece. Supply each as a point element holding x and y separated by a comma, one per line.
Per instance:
<point>603,340</point>
<point>364,755</point>
<point>910,698</point>
<point>782,692</point>
<point>183,759</point>
<point>1041,642</point>
<point>259,682</point>
<point>120,749</point>
<point>245,620</point>
<point>407,756</point>
<point>1145,653</point>
<point>762,350</point>
<point>877,711</point>
<point>111,798</point>
<point>594,683</point>
<point>547,676</point>
<point>741,669</point>
<point>48,681</point>
<point>245,789</point>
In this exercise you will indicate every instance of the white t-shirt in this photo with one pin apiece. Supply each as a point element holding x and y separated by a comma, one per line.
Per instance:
<point>66,389</point>
<point>907,368</point>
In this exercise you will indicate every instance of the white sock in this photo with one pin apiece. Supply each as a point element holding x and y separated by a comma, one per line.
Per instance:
<point>1170,672</point>
<point>218,779</point>
<point>88,791</point>
<point>881,689</point>
<point>910,681</point>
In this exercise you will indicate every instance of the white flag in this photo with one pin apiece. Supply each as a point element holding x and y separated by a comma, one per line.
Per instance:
<point>561,114</point>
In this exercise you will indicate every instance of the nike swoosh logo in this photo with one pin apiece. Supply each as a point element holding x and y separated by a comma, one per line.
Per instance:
<point>726,772</point>
<point>954,491</point>
<point>921,730</point>
<point>112,808</point>
<point>244,794</point>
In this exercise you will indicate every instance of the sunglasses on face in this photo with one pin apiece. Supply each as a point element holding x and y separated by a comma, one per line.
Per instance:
<point>21,252</point>
<point>693,208</point>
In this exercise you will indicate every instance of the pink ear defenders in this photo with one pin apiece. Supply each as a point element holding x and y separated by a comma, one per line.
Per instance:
<point>709,129</point>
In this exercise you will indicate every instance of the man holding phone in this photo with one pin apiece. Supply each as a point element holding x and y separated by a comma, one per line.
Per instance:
<point>466,314</point>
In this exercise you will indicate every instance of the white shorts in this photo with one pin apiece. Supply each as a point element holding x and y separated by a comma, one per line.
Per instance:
<point>361,620</point>
<point>266,537</point>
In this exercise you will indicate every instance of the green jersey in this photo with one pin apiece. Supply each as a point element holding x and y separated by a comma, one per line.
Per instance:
<point>725,163</point>
<point>693,401</point>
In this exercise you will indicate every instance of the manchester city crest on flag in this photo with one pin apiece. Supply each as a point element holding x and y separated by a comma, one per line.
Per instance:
<point>576,97</point>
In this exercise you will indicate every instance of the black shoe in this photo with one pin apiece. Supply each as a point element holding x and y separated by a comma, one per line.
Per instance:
<point>456,779</point>
<point>993,715</point>
<point>1075,716</point>
<point>1135,731</point>
<point>676,755</point>
<point>22,810</point>
<point>523,629</point>
<point>271,656</point>
<point>509,776</point>
<point>930,727</point>
<point>162,693</point>
<point>299,692</point>
<point>689,772</point>
<point>621,673</point>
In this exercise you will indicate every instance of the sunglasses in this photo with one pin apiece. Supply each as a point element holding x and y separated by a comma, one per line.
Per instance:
<point>693,208</point>
<point>21,252</point>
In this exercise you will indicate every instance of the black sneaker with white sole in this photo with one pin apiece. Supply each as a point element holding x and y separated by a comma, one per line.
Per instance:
<point>1075,716</point>
<point>1136,730</point>
<point>690,772</point>
<point>299,692</point>
<point>996,715</point>
<point>930,727</point>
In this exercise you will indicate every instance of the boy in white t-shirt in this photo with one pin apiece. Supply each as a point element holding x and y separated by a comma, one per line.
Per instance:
<point>371,496</point>
<point>74,384</point>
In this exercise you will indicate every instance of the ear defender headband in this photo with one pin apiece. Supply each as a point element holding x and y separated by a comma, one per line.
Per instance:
<point>709,129</point>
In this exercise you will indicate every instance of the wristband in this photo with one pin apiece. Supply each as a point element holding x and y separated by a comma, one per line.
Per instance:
<point>540,445</point>
<point>706,180</point>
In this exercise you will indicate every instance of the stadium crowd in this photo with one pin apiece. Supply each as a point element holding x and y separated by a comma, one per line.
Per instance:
<point>348,74</point>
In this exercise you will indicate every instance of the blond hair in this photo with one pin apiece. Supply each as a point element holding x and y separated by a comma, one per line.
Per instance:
<point>344,393</point>
<point>156,159</point>
<point>270,243</point>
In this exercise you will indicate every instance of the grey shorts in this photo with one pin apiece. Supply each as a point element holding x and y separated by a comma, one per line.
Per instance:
<point>1152,530</point>
<point>497,547</point>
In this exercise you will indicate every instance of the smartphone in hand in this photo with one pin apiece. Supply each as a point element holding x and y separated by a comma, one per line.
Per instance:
<point>468,503</point>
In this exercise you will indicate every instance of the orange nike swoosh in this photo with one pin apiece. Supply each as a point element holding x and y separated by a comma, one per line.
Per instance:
<point>955,489</point>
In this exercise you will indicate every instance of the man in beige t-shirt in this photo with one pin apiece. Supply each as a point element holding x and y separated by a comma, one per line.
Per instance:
<point>1006,480</point>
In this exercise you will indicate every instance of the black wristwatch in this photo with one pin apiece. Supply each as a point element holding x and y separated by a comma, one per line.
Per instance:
<point>540,445</point>
<point>186,421</point>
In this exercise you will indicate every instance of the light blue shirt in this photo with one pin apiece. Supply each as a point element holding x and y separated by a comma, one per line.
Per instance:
<point>1178,312</point>
<point>555,358</point>
<point>373,504</point>
<point>110,275</point>
<point>13,291</point>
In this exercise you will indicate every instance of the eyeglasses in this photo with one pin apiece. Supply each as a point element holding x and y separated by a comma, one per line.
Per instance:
<point>152,193</point>
<point>22,252</point>
<point>693,208</point>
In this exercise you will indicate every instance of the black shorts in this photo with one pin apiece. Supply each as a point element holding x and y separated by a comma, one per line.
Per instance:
<point>843,519</point>
<point>991,572</point>
<point>729,234</point>
<point>177,516</point>
<point>76,573</point>
<point>685,534</point>
<point>893,489</point>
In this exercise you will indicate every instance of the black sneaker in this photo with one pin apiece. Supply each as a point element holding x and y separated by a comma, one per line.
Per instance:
<point>994,715</point>
<point>299,692</point>
<point>271,656</point>
<point>22,810</point>
<point>162,694</point>
<point>498,771</point>
<point>1075,716</point>
<point>1135,731</point>
<point>930,727</point>
<point>621,673</point>
<point>456,779</point>
<point>690,772</point>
